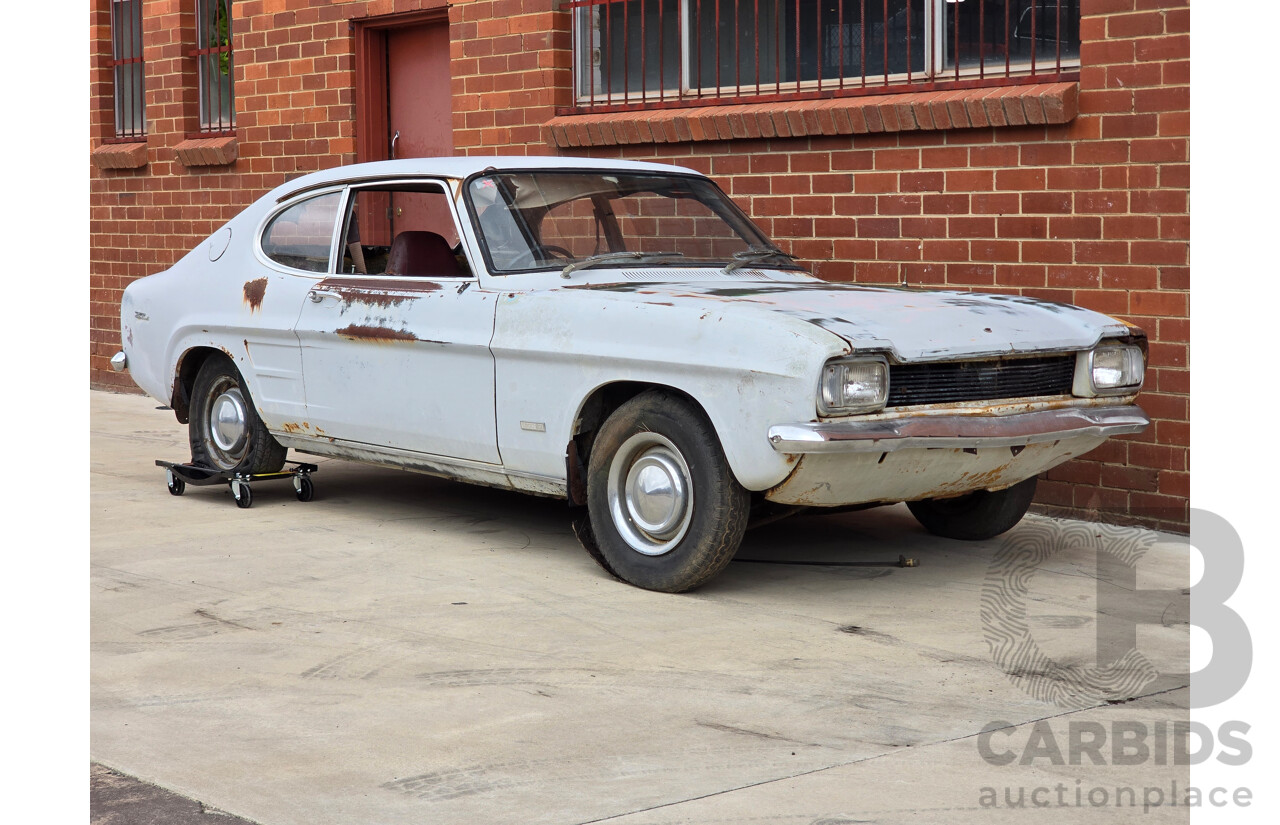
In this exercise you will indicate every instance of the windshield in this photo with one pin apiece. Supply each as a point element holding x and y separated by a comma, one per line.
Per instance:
<point>574,220</point>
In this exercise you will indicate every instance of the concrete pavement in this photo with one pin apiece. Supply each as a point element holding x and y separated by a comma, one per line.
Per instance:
<point>404,649</point>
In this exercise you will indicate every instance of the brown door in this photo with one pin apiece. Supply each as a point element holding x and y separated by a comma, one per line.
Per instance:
<point>404,103</point>
<point>419,113</point>
<point>419,98</point>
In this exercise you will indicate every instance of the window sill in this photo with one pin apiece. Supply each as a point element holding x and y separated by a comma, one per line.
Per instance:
<point>1039,104</point>
<point>120,155</point>
<point>212,151</point>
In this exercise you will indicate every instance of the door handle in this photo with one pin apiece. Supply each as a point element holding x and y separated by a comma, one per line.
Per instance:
<point>318,295</point>
<point>394,138</point>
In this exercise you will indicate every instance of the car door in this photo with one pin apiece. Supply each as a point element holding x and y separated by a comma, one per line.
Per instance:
<point>395,342</point>
<point>294,249</point>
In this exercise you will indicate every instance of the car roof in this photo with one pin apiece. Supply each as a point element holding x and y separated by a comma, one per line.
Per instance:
<point>461,167</point>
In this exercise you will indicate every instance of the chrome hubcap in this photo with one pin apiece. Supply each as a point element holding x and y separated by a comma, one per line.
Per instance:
<point>650,497</point>
<point>228,422</point>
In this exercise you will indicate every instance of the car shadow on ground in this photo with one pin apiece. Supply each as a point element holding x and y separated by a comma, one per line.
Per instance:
<point>862,544</point>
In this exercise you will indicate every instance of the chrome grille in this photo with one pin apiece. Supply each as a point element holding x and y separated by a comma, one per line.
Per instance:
<point>991,380</point>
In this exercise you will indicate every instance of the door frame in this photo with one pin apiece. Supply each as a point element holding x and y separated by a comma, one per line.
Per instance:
<point>372,117</point>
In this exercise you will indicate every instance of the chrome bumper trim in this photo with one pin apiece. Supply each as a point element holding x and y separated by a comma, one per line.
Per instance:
<point>957,431</point>
<point>119,361</point>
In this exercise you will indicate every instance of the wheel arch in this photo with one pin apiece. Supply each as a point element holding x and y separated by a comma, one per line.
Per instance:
<point>599,404</point>
<point>184,379</point>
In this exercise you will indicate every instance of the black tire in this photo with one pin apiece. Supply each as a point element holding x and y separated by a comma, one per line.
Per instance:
<point>176,486</point>
<point>306,490</point>
<point>245,499</point>
<point>225,430</point>
<point>976,516</point>
<point>656,447</point>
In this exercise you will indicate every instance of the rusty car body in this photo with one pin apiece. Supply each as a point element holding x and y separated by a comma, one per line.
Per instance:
<point>620,335</point>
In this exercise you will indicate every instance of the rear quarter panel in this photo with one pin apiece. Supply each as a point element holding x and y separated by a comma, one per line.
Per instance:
<point>232,304</point>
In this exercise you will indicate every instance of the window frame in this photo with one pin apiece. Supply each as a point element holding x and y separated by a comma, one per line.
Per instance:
<point>733,214</point>
<point>393,184</point>
<point>209,118</point>
<point>935,75</point>
<point>136,133</point>
<point>283,206</point>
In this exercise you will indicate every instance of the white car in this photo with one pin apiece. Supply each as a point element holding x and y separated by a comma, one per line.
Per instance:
<point>619,335</point>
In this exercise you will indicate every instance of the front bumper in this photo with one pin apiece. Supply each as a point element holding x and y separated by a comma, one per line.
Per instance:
<point>958,431</point>
<point>939,453</point>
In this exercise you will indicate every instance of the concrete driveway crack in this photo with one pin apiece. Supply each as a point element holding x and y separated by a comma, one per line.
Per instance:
<point>763,782</point>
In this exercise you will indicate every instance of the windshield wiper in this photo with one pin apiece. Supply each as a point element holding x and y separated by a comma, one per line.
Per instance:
<point>613,257</point>
<point>754,255</point>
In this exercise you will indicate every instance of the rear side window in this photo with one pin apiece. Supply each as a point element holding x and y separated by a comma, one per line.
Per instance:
<point>301,236</point>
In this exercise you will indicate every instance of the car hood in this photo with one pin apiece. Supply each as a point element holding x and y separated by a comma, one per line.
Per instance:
<point>911,324</point>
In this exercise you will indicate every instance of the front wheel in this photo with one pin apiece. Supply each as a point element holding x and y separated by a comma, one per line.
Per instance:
<point>226,433</point>
<point>665,511</point>
<point>975,516</point>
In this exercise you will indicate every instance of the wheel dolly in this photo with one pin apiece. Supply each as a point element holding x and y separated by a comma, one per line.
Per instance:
<point>178,476</point>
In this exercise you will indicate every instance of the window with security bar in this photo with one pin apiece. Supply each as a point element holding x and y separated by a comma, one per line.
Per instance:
<point>127,74</point>
<point>214,67</point>
<point>631,53</point>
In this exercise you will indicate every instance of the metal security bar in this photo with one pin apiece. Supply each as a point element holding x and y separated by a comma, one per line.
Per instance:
<point>633,54</point>
<point>215,66</point>
<point>127,69</point>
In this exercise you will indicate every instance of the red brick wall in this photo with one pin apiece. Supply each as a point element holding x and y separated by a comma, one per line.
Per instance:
<point>1092,212</point>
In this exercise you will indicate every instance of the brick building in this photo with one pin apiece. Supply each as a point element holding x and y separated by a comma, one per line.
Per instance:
<point>1039,148</point>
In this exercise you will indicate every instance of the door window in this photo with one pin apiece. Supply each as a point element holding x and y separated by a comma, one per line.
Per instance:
<point>402,229</point>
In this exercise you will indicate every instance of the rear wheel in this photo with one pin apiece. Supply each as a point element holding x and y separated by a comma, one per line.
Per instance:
<point>665,511</point>
<point>225,431</point>
<point>975,516</point>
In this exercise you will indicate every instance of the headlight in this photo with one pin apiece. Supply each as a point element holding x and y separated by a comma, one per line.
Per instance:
<point>1109,369</point>
<point>854,386</point>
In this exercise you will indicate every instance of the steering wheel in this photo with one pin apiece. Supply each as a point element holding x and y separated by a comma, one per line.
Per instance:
<point>541,252</point>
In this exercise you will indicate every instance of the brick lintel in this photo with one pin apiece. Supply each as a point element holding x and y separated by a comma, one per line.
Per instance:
<point>1046,103</point>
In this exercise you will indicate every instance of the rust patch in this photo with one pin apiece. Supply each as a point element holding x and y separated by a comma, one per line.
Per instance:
<point>382,292</point>
<point>363,332</point>
<point>253,293</point>
<point>291,428</point>
<point>371,297</point>
<point>993,479</point>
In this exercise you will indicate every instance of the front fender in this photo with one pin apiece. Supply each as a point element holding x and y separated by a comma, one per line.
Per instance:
<point>747,369</point>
